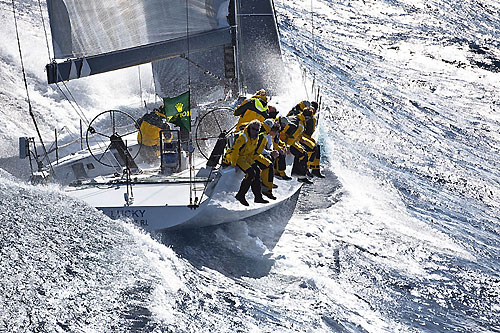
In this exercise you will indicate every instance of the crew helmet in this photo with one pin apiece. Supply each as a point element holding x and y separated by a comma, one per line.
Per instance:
<point>308,112</point>
<point>261,92</point>
<point>315,106</point>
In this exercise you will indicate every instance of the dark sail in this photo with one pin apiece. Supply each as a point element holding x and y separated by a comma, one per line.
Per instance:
<point>211,71</point>
<point>113,34</point>
<point>224,45</point>
<point>259,50</point>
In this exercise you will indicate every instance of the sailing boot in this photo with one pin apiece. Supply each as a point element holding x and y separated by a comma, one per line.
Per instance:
<point>304,180</point>
<point>300,167</point>
<point>302,175</point>
<point>240,196</point>
<point>317,173</point>
<point>268,193</point>
<point>257,191</point>
<point>296,166</point>
<point>260,200</point>
<point>284,177</point>
<point>267,176</point>
<point>280,167</point>
<point>315,163</point>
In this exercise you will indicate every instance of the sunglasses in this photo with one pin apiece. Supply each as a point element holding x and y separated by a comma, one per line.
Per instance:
<point>254,128</point>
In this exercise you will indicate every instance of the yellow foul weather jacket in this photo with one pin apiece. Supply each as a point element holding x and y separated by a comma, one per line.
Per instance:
<point>242,152</point>
<point>150,128</point>
<point>250,109</point>
<point>292,132</point>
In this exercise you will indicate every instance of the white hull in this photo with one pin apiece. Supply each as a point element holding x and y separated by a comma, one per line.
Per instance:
<point>223,207</point>
<point>163,205</point>
<point>163,201</point>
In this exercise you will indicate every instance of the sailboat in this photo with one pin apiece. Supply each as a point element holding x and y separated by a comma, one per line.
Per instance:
<point>209,52</point>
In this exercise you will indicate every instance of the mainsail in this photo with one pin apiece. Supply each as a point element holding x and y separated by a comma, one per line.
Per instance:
<point>221,43</point>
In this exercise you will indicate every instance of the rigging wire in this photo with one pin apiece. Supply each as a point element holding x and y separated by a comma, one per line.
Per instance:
<point>316,94</point>
<point>304,81</point>
<point>81,113</point>
<point>140,85</point>
<point>50,150</point>
<point>313,38</point>
<point>315,88</point>
<point>78,111</point>
<point>192,187</point>
<point>82,116</point>
<point>44,30</point>
<point>188,48</point>
<point>72,102</point>
<point>27,90</point>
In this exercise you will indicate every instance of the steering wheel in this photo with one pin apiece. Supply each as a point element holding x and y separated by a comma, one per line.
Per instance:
<point>110,127</point>
<point>211,126</point>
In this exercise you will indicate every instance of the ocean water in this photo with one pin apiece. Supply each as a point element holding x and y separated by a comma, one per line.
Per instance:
<point>402,236</point>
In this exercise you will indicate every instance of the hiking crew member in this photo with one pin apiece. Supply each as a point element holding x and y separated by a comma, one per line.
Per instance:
<point>298,108</point>
<point>242,154</point>
<point>265,155</point>
<point>313,157</point>
<point>253,108</point>
<point>291,135</point>
<point>280,146</point>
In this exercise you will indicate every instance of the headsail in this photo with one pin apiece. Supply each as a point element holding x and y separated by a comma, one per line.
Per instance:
<point>212,71</point>
<point>251,62</point>
<point>259,49</point>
